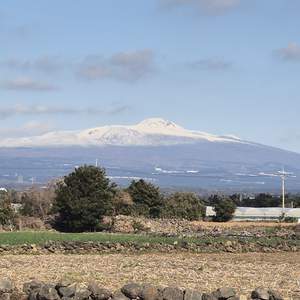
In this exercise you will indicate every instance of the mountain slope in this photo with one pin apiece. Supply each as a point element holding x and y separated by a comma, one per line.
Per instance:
<point>156,150</point>
<point>151,132</point>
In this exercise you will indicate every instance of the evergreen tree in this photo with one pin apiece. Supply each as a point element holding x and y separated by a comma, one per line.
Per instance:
<point>224,210</point>
<point>82,199</point>
<point>185,205</point>
<point>147,199</point>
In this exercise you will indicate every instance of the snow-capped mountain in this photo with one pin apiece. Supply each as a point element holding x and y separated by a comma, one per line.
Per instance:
<point>150,132</point>
<point>155,149</point>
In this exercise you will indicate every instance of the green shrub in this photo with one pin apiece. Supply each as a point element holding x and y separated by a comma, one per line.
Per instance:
<point>225,210</point>
<point>138,226</point>
<point>185,205</point>
<point>284,219</point>
<point>147,199</point>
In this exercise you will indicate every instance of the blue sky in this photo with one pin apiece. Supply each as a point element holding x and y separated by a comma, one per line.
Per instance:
<point>217,66</point>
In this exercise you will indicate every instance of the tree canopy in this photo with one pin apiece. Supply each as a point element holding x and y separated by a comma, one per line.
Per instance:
<point>225,210</point>
<point>82,199</point>
<point>185,205</point>
<point>263,200</point>
<point>147,199</point>
<point>37,202</point>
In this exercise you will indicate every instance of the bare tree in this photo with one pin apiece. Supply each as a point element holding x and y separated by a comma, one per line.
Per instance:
<point>37,201</point>
<point>120,201</point>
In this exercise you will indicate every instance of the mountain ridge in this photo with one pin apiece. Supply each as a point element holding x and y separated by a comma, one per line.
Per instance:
<point>153,131</point>
<point>156,150</point>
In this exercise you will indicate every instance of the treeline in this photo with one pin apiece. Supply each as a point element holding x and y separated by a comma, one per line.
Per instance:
<point>80,201</point>
<point>261,200</point>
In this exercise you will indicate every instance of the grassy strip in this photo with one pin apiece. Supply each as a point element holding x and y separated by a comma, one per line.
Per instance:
<point>20,238</point>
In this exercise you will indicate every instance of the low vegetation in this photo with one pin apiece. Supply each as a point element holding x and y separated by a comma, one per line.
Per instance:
<point>80,201</point>
<point>38,238</point>
<point>224,210</point>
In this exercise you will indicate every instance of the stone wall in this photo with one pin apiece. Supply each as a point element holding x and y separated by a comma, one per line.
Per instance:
<point>66,290</point>
<point>183,228</point>
<point>67,247</point>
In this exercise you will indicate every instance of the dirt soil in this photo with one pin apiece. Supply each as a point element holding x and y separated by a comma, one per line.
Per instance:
<point>205,272</point>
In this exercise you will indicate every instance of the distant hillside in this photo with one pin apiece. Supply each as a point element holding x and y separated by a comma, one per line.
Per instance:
<point>151,132</point>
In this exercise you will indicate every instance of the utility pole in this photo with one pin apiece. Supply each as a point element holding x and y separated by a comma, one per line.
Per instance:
<point>281,174</point>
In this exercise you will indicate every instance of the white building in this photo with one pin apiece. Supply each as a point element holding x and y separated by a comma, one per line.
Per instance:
<point>259,213</point>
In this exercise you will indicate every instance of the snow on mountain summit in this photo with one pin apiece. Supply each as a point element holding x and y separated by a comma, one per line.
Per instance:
<point>150,132</point>
<point>158,124</point>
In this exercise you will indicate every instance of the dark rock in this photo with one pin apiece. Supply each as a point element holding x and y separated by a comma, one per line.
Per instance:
<point>6,285</point>
<point>260,293</point>
<point>224,293</point>
<point>98,293</point>
<point>82,294</point>
<point>131,290</point>
<point>47,245</point>
<point>118,295</point>
<point>66,291</point>
<point>32,286</point>
<point>63,283</point>
<point>190,294</point>
<point>47,292</point>
<point>206,296</point>
<point>150,292</point>
<point>32,296</point>
<point>273,295</point>
<point>172,293</point>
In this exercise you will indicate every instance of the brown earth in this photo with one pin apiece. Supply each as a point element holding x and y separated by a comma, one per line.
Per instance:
<point>205,272</point>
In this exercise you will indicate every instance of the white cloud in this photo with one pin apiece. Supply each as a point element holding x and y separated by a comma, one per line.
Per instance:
<point>205,6</point>
<point>126,66</point>
<point>20,108</point>
<point>120,109</point>
<point>31,128</point>
<point>129,65</point>
<point>49,63</point>
<point>46,63</point>
<point>289,52</point>
<point>27,83</point>
<point>93,70</point>
<point>34,109</point>
<point>211,64</point>
<point>218,6</point>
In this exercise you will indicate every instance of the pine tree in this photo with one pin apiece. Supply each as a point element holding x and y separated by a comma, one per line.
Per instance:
<point>82,199</point>
<point>147,199</point>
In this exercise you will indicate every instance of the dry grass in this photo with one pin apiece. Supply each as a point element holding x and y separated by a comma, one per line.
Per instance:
<point>244,224</point>
<point>205,272</point>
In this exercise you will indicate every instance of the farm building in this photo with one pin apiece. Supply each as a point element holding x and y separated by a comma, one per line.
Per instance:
<point>259,213</point>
